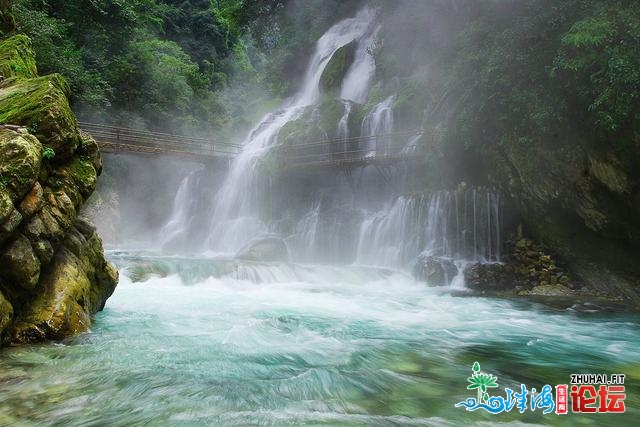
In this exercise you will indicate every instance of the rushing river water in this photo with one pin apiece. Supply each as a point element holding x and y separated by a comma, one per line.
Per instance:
<point>189,342</point>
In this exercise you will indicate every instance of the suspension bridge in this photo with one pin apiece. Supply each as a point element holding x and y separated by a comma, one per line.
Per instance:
<point>338,152</point>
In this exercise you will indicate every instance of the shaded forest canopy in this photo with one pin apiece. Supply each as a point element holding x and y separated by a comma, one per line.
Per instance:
<point>523,69</point>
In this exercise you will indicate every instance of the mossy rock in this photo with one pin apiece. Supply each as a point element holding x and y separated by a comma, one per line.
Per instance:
<point>78,174</point>
<point>6,205</point>
<point>20,160</point>
<point>20,266</point>
<point>6,314</point>
<point>75,286</point>
<point>17,58</point>
<point>338,65</point>
<point>89,149</point>
<point>41,105</point>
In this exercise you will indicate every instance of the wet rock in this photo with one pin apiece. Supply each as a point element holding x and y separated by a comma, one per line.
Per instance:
<point>41,105</point>
<point>53,274</point>
<point>32,202</point>
<point>6,314</point>
<point>20,158</point>
<point>436,271</point>
<point>6,205</point>
<point>490,277</point>
<point>268,249</point>
<point>548,290</point>
<point>10,224</point>
<point>337,67</point>
<point>75,285</point>
<point>20,266</point>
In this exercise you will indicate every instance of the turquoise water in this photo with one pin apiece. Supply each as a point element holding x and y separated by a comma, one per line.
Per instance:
<point>193,342</point>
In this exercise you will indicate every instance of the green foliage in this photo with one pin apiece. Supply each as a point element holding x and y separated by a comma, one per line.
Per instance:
<point>48,153</point>
<point>601,55</point>
<point>17,58</point>
<point>7,21</point>
<point>157,63</point>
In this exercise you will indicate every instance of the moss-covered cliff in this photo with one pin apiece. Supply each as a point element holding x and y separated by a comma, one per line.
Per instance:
<point>53,274</point>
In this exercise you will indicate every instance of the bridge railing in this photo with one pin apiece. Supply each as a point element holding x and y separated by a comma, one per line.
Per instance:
<point>390,146</point>
<point>113,138</point>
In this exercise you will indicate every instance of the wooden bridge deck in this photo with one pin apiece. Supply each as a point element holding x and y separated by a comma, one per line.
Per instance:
<point>112,139</point>
<point>353,152</point>
<point>331,153</point>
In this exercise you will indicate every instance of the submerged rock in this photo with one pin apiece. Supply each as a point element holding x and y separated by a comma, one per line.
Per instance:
<point>268,249</point>
<point>436,271</point>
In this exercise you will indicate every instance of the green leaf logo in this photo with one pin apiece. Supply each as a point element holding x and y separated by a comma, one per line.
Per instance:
<point>481,382</point>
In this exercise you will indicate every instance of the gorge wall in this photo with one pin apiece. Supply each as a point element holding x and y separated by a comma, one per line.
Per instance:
<point>53,273</point>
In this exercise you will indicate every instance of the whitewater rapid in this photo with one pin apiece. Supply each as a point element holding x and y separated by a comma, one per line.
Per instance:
<point>185,344</point>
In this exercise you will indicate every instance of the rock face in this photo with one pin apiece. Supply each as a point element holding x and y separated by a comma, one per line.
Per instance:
<point>53,274</point>
<point>337,67</point>
<point>583,200</point>
<point>267,249</point>
<point>435,271</point>
<point>527,270</point>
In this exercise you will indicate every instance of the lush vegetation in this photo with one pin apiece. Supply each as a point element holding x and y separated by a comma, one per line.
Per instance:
<point>519,72</point>
<point>170,64</point>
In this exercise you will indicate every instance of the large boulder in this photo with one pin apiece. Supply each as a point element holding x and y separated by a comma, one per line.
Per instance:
<point>267,249</point>
<point>337,67</point>
<point>20,266</point>
<point>20,161</point>
<point>53,273</point>
<point>40,104</point>
<point>435,271</point>
<point>489,278</point>
<point>76,284</point>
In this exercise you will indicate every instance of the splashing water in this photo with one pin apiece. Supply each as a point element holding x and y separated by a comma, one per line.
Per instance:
<point>315,345</point>
<point>459,225</point>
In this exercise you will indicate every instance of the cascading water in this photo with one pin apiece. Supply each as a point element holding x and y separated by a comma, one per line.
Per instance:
<point>342,133</point>
<point>379,122</point>
<point>459,225</point>
<point>236,215</point>
<point>355,85</point>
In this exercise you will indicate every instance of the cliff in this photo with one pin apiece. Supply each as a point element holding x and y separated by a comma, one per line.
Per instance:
<point>53,273</point>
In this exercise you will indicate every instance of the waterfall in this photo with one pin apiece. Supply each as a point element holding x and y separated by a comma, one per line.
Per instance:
<point>355,85</point>
<point>379,121</point>
<point>237,213</point>
<point>179,221</point>
<point>334,226</point>
<point>458,225</point>
<point>342,132</point>
<point>236,218</point>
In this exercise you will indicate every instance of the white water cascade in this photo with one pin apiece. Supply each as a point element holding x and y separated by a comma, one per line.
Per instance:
<point>355,85</point>
<point>378,122</point>
<point>459,225</point>
<point>236,218</point>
